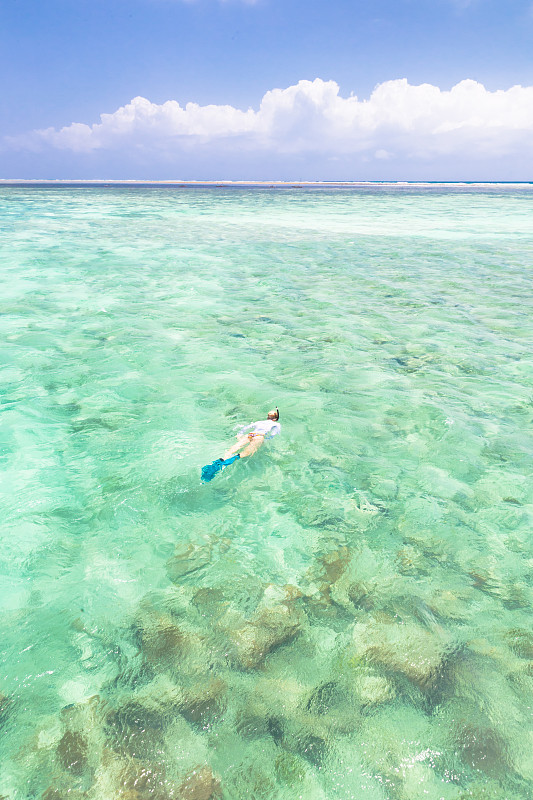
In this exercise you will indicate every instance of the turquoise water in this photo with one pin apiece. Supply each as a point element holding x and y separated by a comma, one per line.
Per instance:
<point>345,615</point>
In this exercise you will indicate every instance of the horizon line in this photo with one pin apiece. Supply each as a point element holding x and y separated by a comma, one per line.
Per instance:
<point>248,183</point>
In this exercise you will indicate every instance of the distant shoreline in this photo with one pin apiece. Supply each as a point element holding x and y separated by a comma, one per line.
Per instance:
<point>229,184</point>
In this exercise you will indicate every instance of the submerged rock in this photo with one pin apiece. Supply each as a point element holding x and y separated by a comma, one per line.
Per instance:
<point>251,721</point>
<point>211,602</point>
<point>486,581</point>
<point>512,595</point>
<point>200,784</point>
<point>324,697</point>
<point>271,699</point>
<point>72,752</point>
<point>516,595</point>
<point>521,642</point>
<point>79,745</point>
<point>411,562</point>
<point>132,779</point>
<point>82,716</point>
<point>499,485</point>
<point>143,782</point>
<point>357,584</point>
<point>290,769</point>
<point>426,543</point>
<point>204,703</point>
<point>308,737</point>
<point>481,746</point>
<point>385,488</point>
<point>160,639</point>
<point>6,706</point>
<point>406,648</point>
<point>154,706</point>
<point>486,790</point>
<point>319,517</point>
<point>401,753</point>
<point>68,793</point>
<point>455,605</point>
<point>324,573</point>
<point>373,690</point>
<point>328,710</point>
<point>252,778</point>
<point>187,558</point>
<point>333,564</point>
<point>300,719</point>
<point>276,621</point>
<point>269,629</point>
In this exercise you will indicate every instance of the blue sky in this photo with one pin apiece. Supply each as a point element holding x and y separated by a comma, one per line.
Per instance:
<point>69,61</point>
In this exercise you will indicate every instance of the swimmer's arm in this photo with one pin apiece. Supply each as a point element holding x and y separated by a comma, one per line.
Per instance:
<point>247,428</point>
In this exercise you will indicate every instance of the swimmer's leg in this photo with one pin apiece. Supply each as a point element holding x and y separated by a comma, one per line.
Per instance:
<point>242,440</point>
<point>254,446</point>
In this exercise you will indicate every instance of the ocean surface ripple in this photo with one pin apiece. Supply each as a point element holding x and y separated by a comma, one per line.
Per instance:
<point>347,614</point>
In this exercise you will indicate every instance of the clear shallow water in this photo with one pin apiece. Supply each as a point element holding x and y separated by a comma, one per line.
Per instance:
<point>347,614</point>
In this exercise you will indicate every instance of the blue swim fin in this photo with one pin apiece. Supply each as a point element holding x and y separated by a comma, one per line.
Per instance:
<point>229,461</point>
<point>210,470</point>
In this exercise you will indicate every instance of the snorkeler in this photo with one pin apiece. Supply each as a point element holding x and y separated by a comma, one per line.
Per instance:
<point>251,437</point>
<point>258,432</point>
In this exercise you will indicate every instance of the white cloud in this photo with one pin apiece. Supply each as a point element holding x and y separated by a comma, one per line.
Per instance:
<point>397,121</point>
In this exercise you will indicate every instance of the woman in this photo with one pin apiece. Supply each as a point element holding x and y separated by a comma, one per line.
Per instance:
<point>258,432</point>
<point>251,441</point>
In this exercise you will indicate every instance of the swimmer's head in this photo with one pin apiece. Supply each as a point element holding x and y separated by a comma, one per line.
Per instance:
<point>274,414</point>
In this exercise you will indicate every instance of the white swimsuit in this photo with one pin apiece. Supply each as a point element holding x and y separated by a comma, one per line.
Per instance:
<point>263,427</point>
